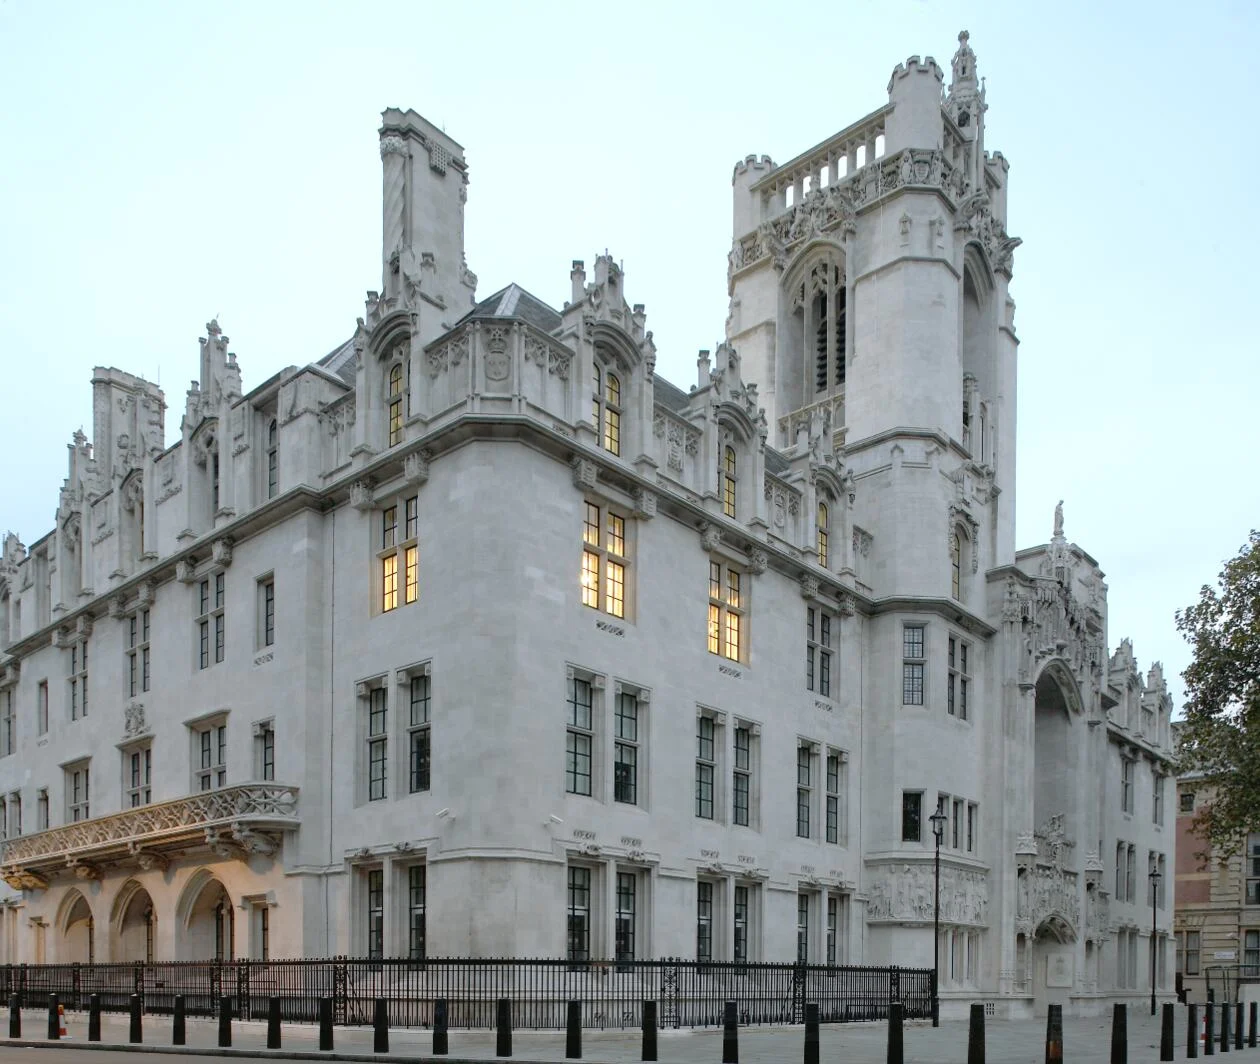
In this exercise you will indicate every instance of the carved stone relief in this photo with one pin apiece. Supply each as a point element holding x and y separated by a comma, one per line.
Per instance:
<point>905,893</point>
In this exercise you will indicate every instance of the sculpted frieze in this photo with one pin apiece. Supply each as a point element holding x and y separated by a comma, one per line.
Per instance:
<point>905,893</point>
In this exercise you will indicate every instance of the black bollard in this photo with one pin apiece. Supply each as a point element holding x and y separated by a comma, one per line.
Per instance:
<point>1166,1032</point>
<point>178,1032</point>
<point>1054,1035</point>
<point>573,1032</point>
<point>134,1033</point>
<point>1209,1029</point>
<point>225,1022</point>
<point>1251,1026</point>
<point>54,1018</point>
<point>811,1034</point>
<point>1119,1034</point>
<point>380,1027</point>
<point>273,1023</point>
<point>441,1043</point>
<point>896,1045</point>
<point>1192,1031</point>
<point>1238,1025</point>
<point>503,1037</point>
<point>649,1030</point>
<point>730,1033</point>
<point>1224,1026</point>
<point>325,1025</point>
<point>94,1018</point>
<point>15,1016</point>
<point>975,1035</point>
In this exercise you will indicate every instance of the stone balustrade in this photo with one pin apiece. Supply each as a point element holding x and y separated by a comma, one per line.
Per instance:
<point>231,821</point>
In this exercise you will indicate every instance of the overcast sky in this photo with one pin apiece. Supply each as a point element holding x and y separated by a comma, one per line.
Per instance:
<point>163,163</point>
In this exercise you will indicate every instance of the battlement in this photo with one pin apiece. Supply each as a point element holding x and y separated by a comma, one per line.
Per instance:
<point>914,65</point>
<point>752,164</point>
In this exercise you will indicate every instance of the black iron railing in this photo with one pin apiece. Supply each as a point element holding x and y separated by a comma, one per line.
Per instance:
<point>687,993</point>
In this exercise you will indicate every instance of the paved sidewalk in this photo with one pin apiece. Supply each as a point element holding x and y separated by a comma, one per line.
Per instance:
<point>1019,1042</point>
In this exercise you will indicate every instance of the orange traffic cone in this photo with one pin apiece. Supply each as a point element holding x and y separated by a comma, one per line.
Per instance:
<point>61,1020</point>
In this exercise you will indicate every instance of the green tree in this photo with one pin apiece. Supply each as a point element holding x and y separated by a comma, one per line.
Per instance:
<point>1221,733</point>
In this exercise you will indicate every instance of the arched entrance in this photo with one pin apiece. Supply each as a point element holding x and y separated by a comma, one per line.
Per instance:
<point>206,921</point>
<point>1054,790</point>
<point>134,924</point>
<point>1054,967</point>
<point>78,931</point>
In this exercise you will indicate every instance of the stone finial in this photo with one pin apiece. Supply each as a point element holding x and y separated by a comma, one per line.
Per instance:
<point>963,64</point>
<point>577,277</point>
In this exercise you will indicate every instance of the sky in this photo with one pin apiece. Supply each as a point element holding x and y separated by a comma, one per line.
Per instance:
<point>162,164</point>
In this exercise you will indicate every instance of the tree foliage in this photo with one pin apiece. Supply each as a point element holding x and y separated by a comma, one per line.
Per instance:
<point>1221,733</point>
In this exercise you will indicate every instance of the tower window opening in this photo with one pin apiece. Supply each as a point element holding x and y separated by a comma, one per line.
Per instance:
<point>824,178</point>
<point>842,168</point>
<point>820,341</point>
<point>879,146</point>
<point>789,197</point>
<point>860,160</point>
<point>841,316</point>
<point>807,184</point>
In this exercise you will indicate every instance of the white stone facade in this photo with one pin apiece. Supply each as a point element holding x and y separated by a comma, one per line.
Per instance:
<point>322,677</point>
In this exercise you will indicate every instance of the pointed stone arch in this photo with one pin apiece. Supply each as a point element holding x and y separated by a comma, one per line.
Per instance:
<point>132,923</point>
<point>204,919</point>
<point>76,929</point>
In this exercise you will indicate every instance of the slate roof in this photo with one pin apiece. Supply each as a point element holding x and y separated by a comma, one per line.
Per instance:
<point>340,360</point>
<point>514,302</point>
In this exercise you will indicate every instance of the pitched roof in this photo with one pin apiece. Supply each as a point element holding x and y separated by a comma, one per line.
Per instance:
<point>514,302</point>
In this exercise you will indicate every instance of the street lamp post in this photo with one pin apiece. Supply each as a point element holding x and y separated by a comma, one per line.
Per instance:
<point>1155,878</point>
<point>939,820</point>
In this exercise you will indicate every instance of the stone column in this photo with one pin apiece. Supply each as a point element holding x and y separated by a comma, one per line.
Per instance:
<point>394,218</point>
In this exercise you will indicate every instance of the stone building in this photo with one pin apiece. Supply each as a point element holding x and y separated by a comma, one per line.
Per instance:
<point>477,637</point>
<point>1216,904</point>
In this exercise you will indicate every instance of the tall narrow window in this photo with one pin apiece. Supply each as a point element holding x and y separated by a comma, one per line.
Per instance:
<point>378,743</point>
<point>211,757</point>
<point>606,409</point>
<point>804,788</point>
<point>267,611</point>
<point>726,612</point>
<point>729,479</point>
<point>79,680</point>
<point>833,921</point>
<point>955,565</point>
<point>624,920</point>
<point>419,739</point>
<point>214,482</point>
<point>137,653</point>
<point>741,777</point>
<point>973,812</point>
<point>6,722</point>
<point>626,752</point>
<point>1157,797</point>
<point>802,928</point>
<point>375,913</point>
<point>704,921</point>
<point>416,898</point>
<point>741,925</point>
<point>824,527</point>
<point>265,749</point>
<point>706,766</point>
<point>1126,784</point>
<point>912,665</point>
<point>604,559</point>
<point>41,708</point>
<point>579,915</point>
<point>835,794</point>
<point>273,459</point>
<point>579,738</point>
<point>211,623</point>
<point>78,792</point>
<point>911,816</point>
<point>400,554</point>
<point>396,399</point>
<point>41,809</point>
<point>818,651</point>
<point>139,777</point>
<point>1252,870</point>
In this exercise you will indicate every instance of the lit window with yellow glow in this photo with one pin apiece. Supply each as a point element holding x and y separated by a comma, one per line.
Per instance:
<point>726,612</point>
<point>400,554</point>
<point>604,560</point>
<point>728,481</point>
<point>606,409</point>
<point>823,531</point>
<point>396,403</point>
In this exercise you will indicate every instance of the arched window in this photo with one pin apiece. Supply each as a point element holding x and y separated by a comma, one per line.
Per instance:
<point>606,409</point>
<point>824,529</point>
<point>395,404</point>
<point>728,478</point>
<point>273,459</point>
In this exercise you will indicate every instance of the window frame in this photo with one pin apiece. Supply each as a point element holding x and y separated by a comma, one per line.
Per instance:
<point>581,728</point>
<point>209,753</point>
<point>138,775</point>
<point>78,779</point>
<point>78,678</point>
<point>745,774</point>
<point>822,533</point>
<point>211,606</point>
<point>1127,774</point>
<point>419,728</point>
<point>398,558</point>
<point>728,481</point>
<point>958,686</point>
<point>806,755</point>
<point>606,407</point>
<point>835,785</point>
<point>626,791</point>
<point>580,896</point>
<point>728,610</point>
<point>707,737</point>
<point>265,749</point>
<point>604,575</point>
<point>272,486</point>
<point>138,644</point>
<point>912,813</point>
<point>819,624</point>
<point>396,403</point>
<point>914,666</point>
